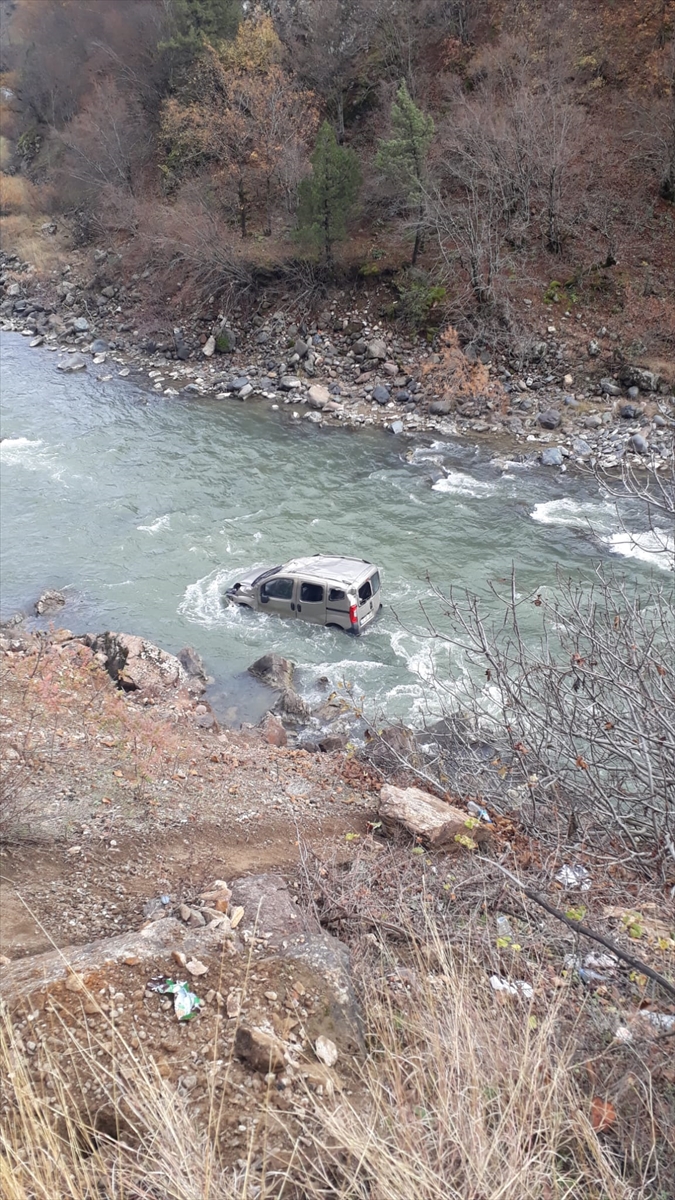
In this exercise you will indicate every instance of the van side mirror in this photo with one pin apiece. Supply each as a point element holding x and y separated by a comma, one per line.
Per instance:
<point>264,598</point>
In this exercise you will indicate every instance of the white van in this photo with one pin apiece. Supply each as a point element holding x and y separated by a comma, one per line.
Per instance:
<point>342,593</point>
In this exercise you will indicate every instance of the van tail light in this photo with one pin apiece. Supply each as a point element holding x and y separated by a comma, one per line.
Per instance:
<point>354,614</point>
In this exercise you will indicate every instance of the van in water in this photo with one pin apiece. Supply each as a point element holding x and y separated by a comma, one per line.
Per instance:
<point>342,593</point>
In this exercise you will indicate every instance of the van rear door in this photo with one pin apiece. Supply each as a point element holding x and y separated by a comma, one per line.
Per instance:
<point>311,601</point>
<point>369,598</point>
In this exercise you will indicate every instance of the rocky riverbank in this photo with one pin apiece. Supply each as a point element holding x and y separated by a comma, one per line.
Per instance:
<point>577,400</point>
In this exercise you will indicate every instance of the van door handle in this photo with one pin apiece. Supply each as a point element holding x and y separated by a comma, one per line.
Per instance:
<point>299,608</point>
<point>293,607</point>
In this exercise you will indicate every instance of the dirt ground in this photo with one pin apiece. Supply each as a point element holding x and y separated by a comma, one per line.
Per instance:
<point>119,800</point>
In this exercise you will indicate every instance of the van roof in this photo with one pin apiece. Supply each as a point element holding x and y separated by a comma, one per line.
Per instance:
<point>328,566</point>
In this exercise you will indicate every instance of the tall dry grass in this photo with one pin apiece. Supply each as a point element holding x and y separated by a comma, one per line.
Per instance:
<point>459,1098</point>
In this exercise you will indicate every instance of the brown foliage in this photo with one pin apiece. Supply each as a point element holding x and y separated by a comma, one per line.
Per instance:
<point>244,119</point>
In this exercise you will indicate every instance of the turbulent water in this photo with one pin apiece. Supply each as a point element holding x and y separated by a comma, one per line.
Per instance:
<point>143,507</point>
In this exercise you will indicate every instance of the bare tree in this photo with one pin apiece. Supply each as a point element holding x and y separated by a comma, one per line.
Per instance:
<point>108,143</point>
<point>653,131</point>
<point>327,40</point>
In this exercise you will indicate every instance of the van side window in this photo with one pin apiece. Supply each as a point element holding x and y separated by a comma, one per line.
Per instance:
<point>278,589</point>
<point>365,591</point>
<point>311,593</point>
<point>336,594</point>
<point>375,582</point>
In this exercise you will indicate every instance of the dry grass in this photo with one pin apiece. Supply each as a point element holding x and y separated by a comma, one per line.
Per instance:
<point>17,195</point>
<point>458,1097</point>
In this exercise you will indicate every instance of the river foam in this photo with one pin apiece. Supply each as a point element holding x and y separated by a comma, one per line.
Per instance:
<point>653,546</point>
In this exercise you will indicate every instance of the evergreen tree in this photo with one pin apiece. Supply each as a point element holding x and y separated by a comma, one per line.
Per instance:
<point>194,22</point>
<point>403,157</point>
<point>328,196</point>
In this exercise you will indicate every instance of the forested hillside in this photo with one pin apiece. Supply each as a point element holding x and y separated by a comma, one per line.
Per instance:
<point>464,152</point>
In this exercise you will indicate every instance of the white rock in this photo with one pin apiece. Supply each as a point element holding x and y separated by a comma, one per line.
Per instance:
<point>326,1051</point>
<point>210,347</point>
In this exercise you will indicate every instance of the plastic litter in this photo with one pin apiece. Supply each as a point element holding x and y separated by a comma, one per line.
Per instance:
<point>504,926</point>
<point>185,1004</point>
<point>623,1034</point>
<point>664,1022</point>
<point>516,987</point>
<point>585,970</point>
<point>477,810</point>
<point>573,878</point>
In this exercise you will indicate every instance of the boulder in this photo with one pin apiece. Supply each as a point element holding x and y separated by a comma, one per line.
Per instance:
<point>81,325</point>
<point>70,365</point>
<point>332,742</point>
<point>581,448</point>
<point>552,456</point>
<point>639,444</point>
<point>319,395</point>
<point>259,1050</point>
<point>182,348</point>
<point>646,381</point>
<point>226,340</point>
<point>376,349</point>
<point>440,408</point>
<point>192,663</point>
<point>308,958</point>
<point>273,670</point>
<point>137,665</point>
<point>98,346</point>
<point>288,383</point>
<point>549,419</point>
<point>49,602</point>
<point>209,347</point>
<point>292,708</point>
<point>273,731</point>
<point>380,394</point>
<point>610,387</point>
<point>433,821</point>
<point>630,412</point>
<point>300,348</point>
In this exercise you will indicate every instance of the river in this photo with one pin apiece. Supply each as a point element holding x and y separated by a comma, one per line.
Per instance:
<point>143,507</point>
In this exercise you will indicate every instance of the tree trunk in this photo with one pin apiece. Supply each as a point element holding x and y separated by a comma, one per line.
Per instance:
<point>242,208</point>
<point>418,237</point>
<point>268,207</point>
<point>340,115</point>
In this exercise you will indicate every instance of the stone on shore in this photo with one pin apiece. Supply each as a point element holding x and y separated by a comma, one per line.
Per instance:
<point>433,821</point>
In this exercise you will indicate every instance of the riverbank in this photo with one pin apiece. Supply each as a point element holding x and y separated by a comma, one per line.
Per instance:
<point>152,846</point>
<point>576,400</point>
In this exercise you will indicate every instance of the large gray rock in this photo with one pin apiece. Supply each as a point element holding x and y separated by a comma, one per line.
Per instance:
<point>552,456</point>
<point>549,418</point>
<point>377,349</point>
<point>273,670</point>
<point>138,665</point>
<point>192,663</point>
<point>440,408</point>
<point>49,602</point>
<point>610,387</point>
<point>319,396</point>
<point>380,394</point>
<point>309,956</point>
<point>72,364</point>
<point>646,381</point>
<point>81,325</point>
<point>639,444</point>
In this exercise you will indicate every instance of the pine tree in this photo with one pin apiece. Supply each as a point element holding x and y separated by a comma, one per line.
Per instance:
<point>194,22</point>
<point>403,157</point>
<point>328,196</point>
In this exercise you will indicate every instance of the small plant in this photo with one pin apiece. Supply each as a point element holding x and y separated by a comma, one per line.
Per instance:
<point>419,301</point>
